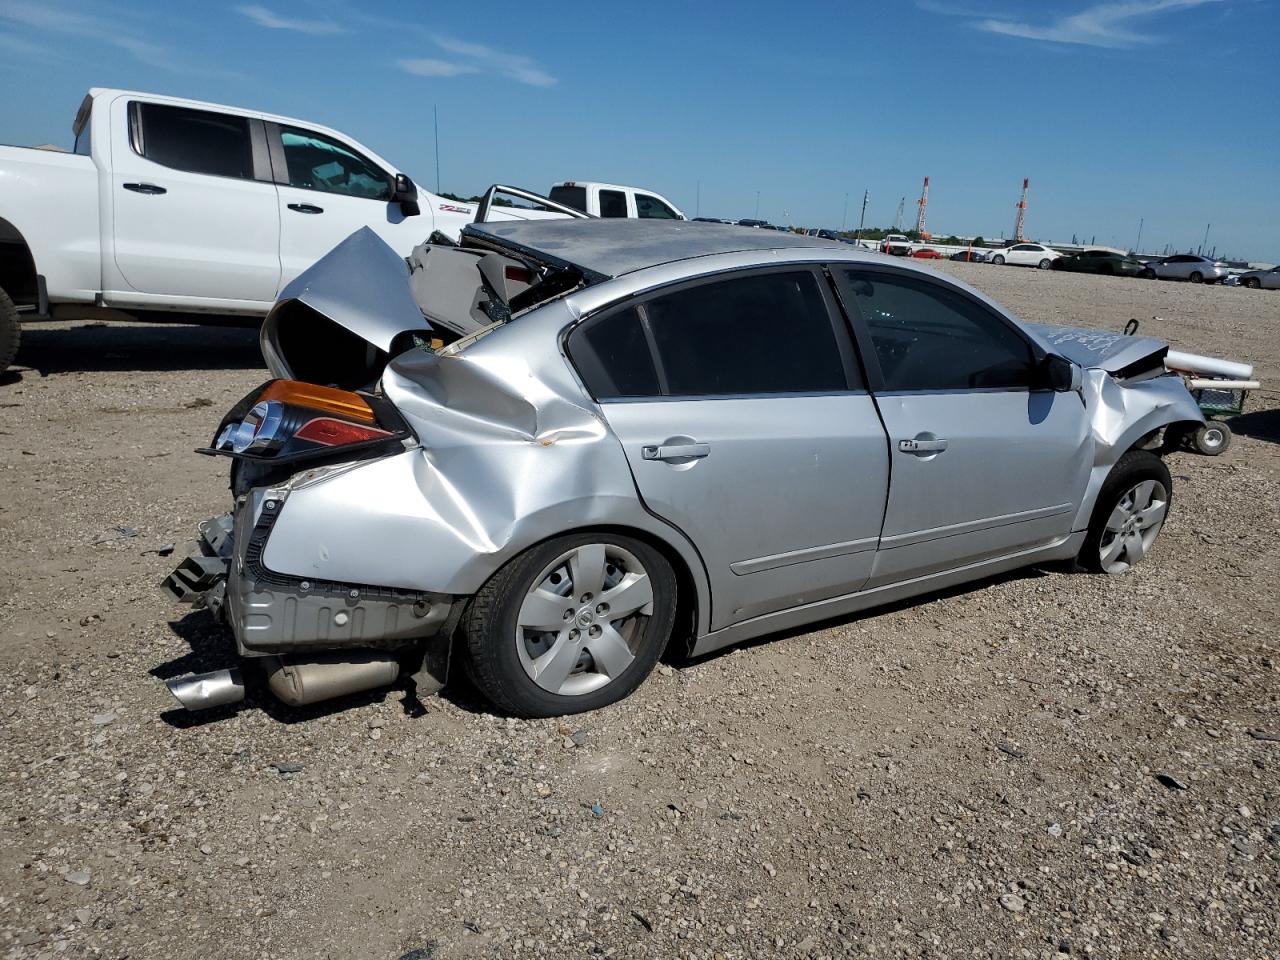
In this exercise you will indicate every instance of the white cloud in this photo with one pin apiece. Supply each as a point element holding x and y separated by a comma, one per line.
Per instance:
<point>427,67</point>
<point>471,57</point>
<point>272,21</point>
<point>50,19</point>
<point>1102,25</point>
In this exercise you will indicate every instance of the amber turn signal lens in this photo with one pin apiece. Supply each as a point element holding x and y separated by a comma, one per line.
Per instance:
<point>316,397</point>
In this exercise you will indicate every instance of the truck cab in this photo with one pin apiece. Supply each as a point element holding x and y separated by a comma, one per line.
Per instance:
<point>614,200</point>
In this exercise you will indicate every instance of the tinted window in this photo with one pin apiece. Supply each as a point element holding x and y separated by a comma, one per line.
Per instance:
<point>82,140</point>
<point>613,203</point>
<point>575,197</point>
<point>317,162</point>
<point>928,337</point>
<point>651,208</point>
<point>197,141</point>
<point>767,333</point>
<point>613,357</point>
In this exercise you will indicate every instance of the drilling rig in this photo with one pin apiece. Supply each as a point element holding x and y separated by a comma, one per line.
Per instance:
<point>897,217</point>
<point>1022,213</point>
<point>922,203</point>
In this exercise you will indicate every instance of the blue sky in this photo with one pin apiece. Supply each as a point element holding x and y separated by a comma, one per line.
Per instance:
<point>1167,110</point>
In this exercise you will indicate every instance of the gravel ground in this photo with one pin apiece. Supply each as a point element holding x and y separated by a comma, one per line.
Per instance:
<point>1048,764</point>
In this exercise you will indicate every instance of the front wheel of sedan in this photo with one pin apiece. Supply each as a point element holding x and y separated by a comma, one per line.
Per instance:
<point>573,624</point>
<point>1146,274</point>
<point>1129,514</point>
<point>998,260</point>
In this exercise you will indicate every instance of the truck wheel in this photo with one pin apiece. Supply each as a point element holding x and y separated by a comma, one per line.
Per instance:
<point>10,331</point>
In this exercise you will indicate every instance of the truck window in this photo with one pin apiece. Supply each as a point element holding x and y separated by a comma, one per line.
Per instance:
<point>82,140</point>
<point>198,141</point>
<point>575,197</point>
<point>613,203</point>
<point>651,208</point>
<point>317,162</point>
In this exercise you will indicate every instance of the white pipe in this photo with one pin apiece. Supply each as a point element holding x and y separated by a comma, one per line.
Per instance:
<point>1201,384</point>
<point>1209,366</point>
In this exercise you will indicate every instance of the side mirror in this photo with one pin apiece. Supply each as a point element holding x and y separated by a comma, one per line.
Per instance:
<point>1060,374</point>
<point>406,194</point>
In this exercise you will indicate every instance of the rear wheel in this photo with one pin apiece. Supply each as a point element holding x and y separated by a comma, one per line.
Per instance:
<point>1130,512</point>
<point>573,624</point>
<point>998,260</point>
<point>1196,277</point>
<point>10,331</point>
<point>1045,264</point>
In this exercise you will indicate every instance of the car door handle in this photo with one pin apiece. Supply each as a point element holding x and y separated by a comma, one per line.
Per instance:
<point>922,446</point>
<point>148,188</point>
<point>675,451</point>
<point>306,208</point>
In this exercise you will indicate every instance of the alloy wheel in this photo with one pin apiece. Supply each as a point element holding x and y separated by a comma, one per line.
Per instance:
<point>579,624</point>
<point>1133,526</point>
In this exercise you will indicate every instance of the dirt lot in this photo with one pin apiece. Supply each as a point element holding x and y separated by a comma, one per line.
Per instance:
<point>1050,763</point>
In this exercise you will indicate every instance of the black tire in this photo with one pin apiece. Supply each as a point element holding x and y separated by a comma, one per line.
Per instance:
<point>10,331</point>
<point>1253,283</point>
<point>1211,439</point>
<point>490,623</point>
<point>1045,264</point>
<point>1147,274</point>
<point>998,260</point>
<point>1196,277</point>
<point>1132,468</point>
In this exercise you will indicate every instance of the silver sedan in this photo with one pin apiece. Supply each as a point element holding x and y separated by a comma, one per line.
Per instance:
<point>564,447</point>
<point>1185,266</point>
<point>1261,279</point>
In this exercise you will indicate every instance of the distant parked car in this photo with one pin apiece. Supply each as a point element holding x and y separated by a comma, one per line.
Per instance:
<point>970,256</point>
<point>748,222</point>
<point>1261,279</point>
<point>1185,266</point>
<point>1106,262</point>
<point>927,254</point>
<point>896,244</point>
<point>1026,255</point>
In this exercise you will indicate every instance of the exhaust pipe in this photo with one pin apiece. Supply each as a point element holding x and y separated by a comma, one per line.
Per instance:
<point>202,691</point>
<point>334,675</point>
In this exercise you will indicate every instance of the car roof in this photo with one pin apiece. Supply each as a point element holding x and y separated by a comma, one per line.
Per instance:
<point>608,248</point>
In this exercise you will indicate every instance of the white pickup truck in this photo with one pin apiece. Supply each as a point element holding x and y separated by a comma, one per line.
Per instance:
<point>173,209</point>
<point>614,200</point>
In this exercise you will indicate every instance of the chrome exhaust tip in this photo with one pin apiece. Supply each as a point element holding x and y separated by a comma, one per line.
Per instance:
<point>202,691</point>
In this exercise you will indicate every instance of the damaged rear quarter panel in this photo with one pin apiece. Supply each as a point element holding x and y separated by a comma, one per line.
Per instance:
<point>512,453</point>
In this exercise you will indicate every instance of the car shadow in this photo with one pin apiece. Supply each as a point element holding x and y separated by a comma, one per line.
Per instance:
<point>1259,425</point>
<point>100,346</point>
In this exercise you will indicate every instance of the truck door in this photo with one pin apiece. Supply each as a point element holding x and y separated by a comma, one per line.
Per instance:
<point>328,190</point>
<point>194,211</point>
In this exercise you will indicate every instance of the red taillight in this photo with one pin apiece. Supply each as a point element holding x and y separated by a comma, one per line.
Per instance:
<point>518,274</point>
<point>337,433</point>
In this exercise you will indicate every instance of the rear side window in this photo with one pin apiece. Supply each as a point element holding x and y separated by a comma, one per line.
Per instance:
<point>575,197</point>
<point>197,141</point>
<point>929,338</point>
<point>613,203</point>
<point>651,208</point>
<point>613,356</point>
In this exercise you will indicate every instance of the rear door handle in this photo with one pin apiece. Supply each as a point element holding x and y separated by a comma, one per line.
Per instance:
<point>306,208</point>
<point>148,188</point>
<point>675,451</point>
<point>922,446</point>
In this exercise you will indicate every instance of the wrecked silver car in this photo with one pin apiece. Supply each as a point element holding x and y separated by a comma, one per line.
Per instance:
<point>562,446</point>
